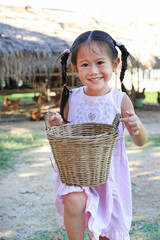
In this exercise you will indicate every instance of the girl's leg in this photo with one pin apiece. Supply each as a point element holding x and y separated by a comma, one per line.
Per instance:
<point>74,215</point>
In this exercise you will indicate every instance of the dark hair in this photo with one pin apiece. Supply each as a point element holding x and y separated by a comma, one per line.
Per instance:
<point>104,40</point>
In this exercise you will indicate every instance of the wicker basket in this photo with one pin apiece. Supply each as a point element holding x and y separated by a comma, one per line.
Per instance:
<point>83,152</point>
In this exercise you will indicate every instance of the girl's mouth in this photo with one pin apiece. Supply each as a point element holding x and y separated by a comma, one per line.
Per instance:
<point>95,79</point>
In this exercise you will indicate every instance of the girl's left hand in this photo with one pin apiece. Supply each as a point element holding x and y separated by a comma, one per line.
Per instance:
<point>133,123</point>
<point>55,118</point>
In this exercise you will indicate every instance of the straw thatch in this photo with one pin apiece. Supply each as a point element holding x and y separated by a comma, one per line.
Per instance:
<point>24,52</point>
<point>20,57</point>
<point>31,39</point>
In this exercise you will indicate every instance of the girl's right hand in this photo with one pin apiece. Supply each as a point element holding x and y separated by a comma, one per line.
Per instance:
<point>55,118</point>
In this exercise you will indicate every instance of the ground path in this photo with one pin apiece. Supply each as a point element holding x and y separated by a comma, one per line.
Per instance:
<point>26,203</point>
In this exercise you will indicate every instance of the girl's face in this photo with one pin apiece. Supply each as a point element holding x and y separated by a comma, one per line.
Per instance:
<point>95,68</point>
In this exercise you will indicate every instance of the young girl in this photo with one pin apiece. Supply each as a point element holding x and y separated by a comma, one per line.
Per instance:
<point>106,210</point>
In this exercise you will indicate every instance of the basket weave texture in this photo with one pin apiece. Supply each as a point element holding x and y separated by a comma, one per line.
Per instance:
<point>83,152</point>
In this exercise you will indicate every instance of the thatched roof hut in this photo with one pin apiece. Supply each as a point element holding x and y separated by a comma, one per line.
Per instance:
<point>23,52</point>
<point>32,39</point>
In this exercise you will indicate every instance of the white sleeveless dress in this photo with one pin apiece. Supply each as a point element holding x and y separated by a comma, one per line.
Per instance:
<point>109,206</point>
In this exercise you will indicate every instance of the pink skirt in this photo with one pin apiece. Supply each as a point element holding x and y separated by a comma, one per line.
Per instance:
<point>107,215</point>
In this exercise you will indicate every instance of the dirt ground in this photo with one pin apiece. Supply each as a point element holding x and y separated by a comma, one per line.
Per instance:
<point>26,199</point>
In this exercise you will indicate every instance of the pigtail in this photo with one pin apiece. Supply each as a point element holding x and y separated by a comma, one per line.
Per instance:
<point>124,55</point>
<point>65,93</point>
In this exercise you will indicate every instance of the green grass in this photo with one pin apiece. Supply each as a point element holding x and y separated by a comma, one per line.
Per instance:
<point>145,230</point>
<point>45,235</point>
<point>140,230</point>
<point>152,141</point>
<point>23,96</point>
<point>150,97</point>
<point>11,145</point>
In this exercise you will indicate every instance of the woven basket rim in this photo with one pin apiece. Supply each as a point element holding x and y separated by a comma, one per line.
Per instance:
<point>83,160</point>
<point>110,132</point>
<point>92,138</point>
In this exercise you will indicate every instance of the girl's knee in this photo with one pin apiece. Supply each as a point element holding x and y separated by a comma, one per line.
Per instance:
<point>75,202</point>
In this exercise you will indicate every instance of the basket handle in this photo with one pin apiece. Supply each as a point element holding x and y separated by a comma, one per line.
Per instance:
<point>115,122</point>
<point>47,120</point>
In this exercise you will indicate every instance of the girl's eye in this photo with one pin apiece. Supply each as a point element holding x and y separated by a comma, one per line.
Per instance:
<point>100,63</point>
<point>84,65</point>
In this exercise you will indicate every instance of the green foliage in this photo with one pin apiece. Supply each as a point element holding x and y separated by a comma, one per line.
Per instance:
<point>153,140</point>
<point>11,144</point>
<point>140,230</point>
<point>150,97</point>
<point>64,235</point>
<point>145,229</point>
<point>45,235</point>
<point>23,96</point>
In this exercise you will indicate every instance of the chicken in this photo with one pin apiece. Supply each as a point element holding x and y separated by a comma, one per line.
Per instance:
<point>55,100</point>
<point>141,94</point>
<point>36,115</point>
<point>41,99</point>
<point>35,98</point>
<point>11,104</point>
<point>133,94</point>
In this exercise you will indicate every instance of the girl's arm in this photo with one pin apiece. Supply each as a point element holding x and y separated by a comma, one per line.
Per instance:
<point>132,122</point>
<point>56,119</point>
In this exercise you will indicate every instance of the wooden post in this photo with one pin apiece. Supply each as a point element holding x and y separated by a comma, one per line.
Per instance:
<point>49,89</point>
<point>137,76</point>
<point>131,77</point>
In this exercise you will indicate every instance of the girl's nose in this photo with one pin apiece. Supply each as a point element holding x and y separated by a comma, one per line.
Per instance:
<point>93,69</point>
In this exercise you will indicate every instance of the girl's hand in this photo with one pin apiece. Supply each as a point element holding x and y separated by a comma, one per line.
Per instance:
<point>55,118</point>
<point>133,123</point>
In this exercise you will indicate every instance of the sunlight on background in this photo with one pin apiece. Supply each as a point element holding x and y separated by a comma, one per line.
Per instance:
<point>134,151</point>
<point>43,149</point>
<point>40,164</point>
<point>29,174</point>
<point>155,178</point>
<point>156,154</point>
<point>7,233</point>
<point>137,9</point>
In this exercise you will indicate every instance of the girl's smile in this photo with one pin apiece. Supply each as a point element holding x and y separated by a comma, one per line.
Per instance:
<point>95,80</point>
<point>95,69</point>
